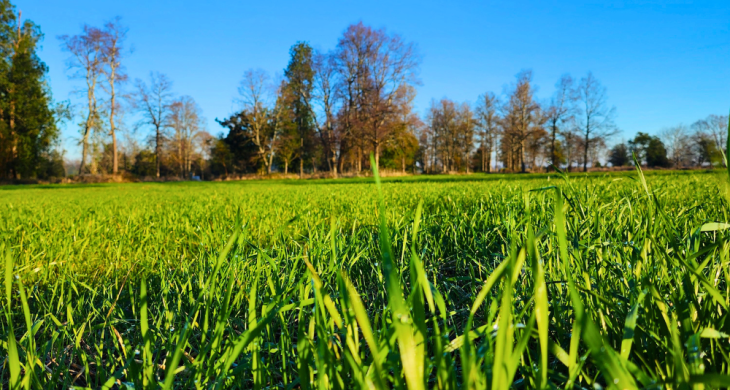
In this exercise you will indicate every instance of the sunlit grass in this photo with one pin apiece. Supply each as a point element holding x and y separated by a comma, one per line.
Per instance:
<point>610,280</point>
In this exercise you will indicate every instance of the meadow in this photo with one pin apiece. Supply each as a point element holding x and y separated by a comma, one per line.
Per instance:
<point>612,280</point>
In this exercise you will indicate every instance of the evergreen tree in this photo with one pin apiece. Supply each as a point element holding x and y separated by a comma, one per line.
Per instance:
<point>639,145</point>
<point>656,153</point>
<point>241,149</point>
<point>300,81</point>
<point>27,122</point>
<point>650,150</point>
<point>619,155</point>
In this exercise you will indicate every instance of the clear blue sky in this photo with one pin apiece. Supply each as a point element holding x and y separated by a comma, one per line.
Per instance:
<point>663,62</point>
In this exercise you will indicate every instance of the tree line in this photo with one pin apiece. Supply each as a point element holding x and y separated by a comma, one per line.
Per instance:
<point>174,125</point>
<point>702,144</point>
<point>327,113</point>
<point>332,109</point>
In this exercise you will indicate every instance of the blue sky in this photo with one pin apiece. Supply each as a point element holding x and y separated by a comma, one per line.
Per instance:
<point>663,62</point>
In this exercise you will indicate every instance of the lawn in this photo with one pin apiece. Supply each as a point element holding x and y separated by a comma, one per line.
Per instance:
<point>484,281</point>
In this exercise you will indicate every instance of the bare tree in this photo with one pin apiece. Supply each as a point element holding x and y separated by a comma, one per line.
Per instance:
<point>427,143</point>
<point>451,129</point>
<point>466,126</point>
<point>594,118</point>
<point>87,59</point>
<point>254,91</point>
<point>404,125</point>
<point>325,94</point>
<point>442,120</point>
<point>572,144</point>
<point>678,143</point>
<point>114,35</point>
<point>187,122</point>
<point>153,102</point>
<point>374,66</point>
<point>559,114</point>
<point>287,150</point>
<point>714,127</point>
<point>718,125</point>
<point>522,117</point>
<point>487,122</point>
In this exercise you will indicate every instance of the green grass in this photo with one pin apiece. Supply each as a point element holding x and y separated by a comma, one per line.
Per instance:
<point>599,280</point>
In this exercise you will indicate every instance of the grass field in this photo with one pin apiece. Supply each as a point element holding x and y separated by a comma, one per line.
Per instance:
<point>588,281</point>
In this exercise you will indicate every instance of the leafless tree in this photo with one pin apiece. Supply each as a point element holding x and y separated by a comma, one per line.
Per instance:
<point>374,67</point>
<point>442,120</point>
<point>466,129</point>
<point>487,122</point>
<point>186,121</point>
<point>86,62</point>
<point>451,128</point>
<point>679,145</point>
<point>325,94</point>
<point>114,35</point>
<point>714,127</point>
<point>572,144</point>
<point>718,125</point>
<point>522,118</point>
<point>255,97</point>
<point>404,126</point>
<point>428,144</point>
<point>153,102</point>
<point>560,114</point>
<point>595,118</point>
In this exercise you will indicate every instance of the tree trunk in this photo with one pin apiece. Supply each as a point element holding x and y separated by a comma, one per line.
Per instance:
<point>85,143</point>
<point>484,159</point>
<point>267,162</point>
<point>585,153</point>
<point>489,160</point>
<point>523,169</point>
<point>158,150</point>
<point>403,164</point>
<point>13,138</point>
<point>301,159</point>
<point>188,163</point>
<point>271,162</point>
<point>553,157</point>
<point>89,124</point>
<point>377,154</point>
<point>359,159</point>
<point>286,167</point>
<point>326,156</point>
<point>182,158</point>
<point>115,160</point>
